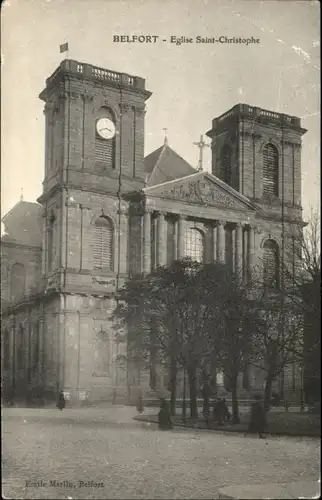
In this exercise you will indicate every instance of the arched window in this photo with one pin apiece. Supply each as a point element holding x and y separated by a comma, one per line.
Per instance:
<point>271,264</point>
<point>103,244</point>
<point>225,164</point>
<point>270,170</point>
<point>104,147</point>
<point>194,244</point>
<point>51,242</point>
<point>18,281</point>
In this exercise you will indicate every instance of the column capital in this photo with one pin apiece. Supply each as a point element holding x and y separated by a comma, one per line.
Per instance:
<point>181,217</point>
<point>125,107</point>
<point>258,229</point>
<point>161,213</point>
<point>251,227</point>
<point>220,223</point>
<point>139,110</point>
<point>240,225</point>
<point>87,96</point>
<point>148,210</point>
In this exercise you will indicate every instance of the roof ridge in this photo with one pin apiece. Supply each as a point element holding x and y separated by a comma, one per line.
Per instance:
<point>173,180</point>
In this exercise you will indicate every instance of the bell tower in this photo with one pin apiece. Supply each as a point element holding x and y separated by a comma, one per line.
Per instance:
<point>94,153</point>
<point>94,128</point>
<point>258,153</point>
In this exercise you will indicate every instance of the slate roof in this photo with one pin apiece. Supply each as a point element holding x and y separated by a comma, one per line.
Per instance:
<point>23,225</point>
<point>164,164</point>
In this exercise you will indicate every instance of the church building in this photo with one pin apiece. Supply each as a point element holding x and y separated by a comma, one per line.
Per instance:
<point>106,212</point>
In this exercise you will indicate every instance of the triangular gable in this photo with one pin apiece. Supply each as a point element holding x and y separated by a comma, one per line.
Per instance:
<point>201,188</point>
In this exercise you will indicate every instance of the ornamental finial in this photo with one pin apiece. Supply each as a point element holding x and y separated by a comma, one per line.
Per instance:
<point>165,136</point>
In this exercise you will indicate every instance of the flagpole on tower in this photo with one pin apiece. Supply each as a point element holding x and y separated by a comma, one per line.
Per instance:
<point>64,49</point>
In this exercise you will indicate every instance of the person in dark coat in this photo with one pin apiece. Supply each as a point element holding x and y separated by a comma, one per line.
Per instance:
<point>218,416</point>
<point>165,422</point>
<point>139,405</point>
<point>224,410</point>
<point>257,422</point>
<point>61,401</point>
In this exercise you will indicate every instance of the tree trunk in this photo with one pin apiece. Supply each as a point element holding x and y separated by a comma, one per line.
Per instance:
<point>235,412</point>
<point>206,393</point>
<point>153,368</point>
<point>214,377</point>
<point>153,356</point>
<point>206,399</point>
<point>268,392</point>
<point>193,392</point>
<point>173,385</point>
<point>246,384</point>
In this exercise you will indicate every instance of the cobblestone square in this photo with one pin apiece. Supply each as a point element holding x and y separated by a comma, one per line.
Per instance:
<point>103,453</point>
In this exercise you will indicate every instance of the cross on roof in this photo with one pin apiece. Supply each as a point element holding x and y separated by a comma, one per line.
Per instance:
<point>201,145</point>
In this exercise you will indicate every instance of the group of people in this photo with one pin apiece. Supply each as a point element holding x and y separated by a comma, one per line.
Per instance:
<point>221,413</point>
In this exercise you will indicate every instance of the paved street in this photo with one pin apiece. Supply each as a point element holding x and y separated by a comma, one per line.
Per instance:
<point>47,453</point>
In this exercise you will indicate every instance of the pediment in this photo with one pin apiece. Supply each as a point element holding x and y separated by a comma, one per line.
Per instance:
<point>203,189</point>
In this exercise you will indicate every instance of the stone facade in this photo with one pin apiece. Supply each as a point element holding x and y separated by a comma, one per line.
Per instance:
<point>63,305</point>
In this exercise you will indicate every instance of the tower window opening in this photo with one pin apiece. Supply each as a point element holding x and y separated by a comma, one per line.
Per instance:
<point>225,164</point>
<point>270,170</point>
<point>103,244</point>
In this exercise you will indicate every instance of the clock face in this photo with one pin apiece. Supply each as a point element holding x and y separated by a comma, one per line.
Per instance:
<point>105,128</point>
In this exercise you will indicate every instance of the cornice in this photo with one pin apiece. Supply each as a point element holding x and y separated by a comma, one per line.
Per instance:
<point>20,245</point>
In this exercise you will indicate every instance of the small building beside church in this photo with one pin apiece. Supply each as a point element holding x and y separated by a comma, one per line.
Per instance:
<point>107,212</point>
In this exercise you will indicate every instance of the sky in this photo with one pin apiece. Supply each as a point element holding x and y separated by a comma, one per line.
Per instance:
<point>190,83</point>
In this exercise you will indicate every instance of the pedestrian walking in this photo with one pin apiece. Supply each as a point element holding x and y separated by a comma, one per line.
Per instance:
<point>61,403</point>
<point>165,422</point>
<point>257,422</point>
<point>139,405</point>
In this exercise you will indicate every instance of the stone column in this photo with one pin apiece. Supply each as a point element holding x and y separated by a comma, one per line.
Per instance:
<point>250,250</point>
<point>175,240</point>
<point>44,244</point>
<point>214,244</point>
<point>181,237</point>
<point>147,242</point>
<point>162,240</point>
<point>258,256</point>
<point>221,243</point>
<point>239,249</point>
